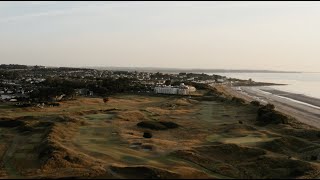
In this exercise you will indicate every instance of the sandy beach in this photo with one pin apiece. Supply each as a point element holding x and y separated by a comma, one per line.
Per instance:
<point>303,108</point>
<point>298,97</point>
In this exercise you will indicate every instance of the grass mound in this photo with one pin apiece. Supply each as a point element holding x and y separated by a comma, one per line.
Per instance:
<point>293,147</point>
<point>182,102</point>
<point>131,115</point>
<point>310,134</point>
<point>177,103</point>
<point>53,154</point>
<point>169,124</point>
<point>236,161</point>
<point>158,125</point>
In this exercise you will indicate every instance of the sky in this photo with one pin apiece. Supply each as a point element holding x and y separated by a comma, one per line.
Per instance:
<point>210,35</point>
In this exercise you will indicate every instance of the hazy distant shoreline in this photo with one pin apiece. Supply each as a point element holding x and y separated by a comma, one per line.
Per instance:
<point>168,70</point>
<point>193,70</point>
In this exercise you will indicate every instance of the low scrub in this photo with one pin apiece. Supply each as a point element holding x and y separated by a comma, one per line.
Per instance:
<point>22,105</point>
<point>53,104</point>
<point>267,115</point>
<point>10,123</point>
<point>238,100</point>
<point>255,103</point>
<point>147,135</point>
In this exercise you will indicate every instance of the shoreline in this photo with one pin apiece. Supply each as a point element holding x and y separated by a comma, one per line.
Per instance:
<point>303,112</point>
<point>298,97</point>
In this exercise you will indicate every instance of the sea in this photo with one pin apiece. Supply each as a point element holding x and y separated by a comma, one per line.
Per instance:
<point>300,83</point>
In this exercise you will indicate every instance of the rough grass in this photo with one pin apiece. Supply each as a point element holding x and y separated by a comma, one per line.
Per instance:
<point>158,125</point>
<point>99,116</point>
<point>77,140</point>
<point>145,172</point>
<point>243,162</point>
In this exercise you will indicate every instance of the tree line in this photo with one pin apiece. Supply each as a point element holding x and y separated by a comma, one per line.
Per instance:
<point>53,87</point>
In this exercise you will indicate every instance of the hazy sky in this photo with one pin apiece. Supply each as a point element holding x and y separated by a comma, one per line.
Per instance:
<point>234,35</point>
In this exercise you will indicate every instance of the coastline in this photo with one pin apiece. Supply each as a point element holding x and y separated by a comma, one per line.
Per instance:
<point>299,97</point>
<point>295,105</point>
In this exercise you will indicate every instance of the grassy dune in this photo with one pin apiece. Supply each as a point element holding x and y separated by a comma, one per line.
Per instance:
<point>88,138</point>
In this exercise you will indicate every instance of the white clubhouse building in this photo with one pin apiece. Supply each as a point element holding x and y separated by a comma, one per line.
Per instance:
<point>181,90</point>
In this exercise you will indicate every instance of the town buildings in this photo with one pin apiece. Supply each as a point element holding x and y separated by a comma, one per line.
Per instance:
<point>22,83</point>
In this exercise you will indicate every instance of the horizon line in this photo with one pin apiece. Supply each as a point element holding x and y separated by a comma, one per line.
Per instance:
<point>168,68</point>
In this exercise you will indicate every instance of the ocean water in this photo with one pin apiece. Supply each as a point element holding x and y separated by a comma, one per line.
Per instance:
<point>300,83</point>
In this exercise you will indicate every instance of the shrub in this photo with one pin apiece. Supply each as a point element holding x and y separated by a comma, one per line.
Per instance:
<point>147,135</point>
<point>313,158</point>
<point>105,100</point>
<point>151,125</point>
<point>169,125</point>
<point>255,103</point>
<point>238,100</point>
<point>270,106</point>
<point>267,115</point>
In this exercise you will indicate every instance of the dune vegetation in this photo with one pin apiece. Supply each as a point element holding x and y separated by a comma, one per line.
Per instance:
<point>140,136</point>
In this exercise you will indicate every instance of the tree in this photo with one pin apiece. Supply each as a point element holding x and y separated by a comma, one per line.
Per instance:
<point>167,82</point>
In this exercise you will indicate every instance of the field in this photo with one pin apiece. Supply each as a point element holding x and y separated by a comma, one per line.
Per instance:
<point>87,138</point>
